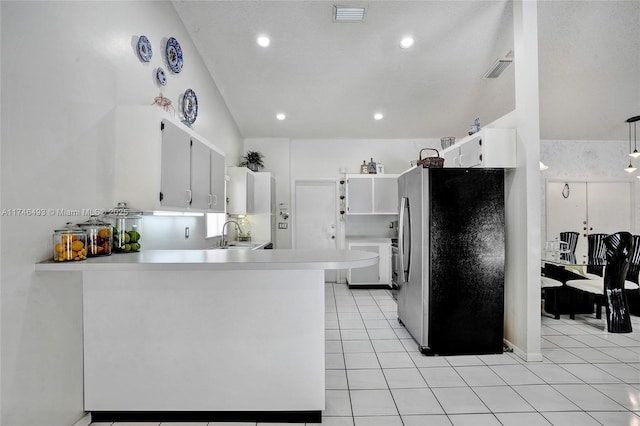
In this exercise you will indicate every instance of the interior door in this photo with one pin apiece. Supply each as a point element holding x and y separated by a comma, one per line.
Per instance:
<point>588,208</point>
<point>567,211</point>
<point>315,217</point>
<point>609,207</point>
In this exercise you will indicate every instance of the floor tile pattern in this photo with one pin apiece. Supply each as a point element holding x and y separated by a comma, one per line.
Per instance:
<point>375,375</point>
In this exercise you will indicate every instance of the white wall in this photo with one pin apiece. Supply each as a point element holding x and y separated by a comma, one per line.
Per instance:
<point>65,67</point>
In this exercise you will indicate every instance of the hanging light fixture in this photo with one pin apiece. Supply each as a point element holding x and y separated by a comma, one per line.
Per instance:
<point>635,153</point>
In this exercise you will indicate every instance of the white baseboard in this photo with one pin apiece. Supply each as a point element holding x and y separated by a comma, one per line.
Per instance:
<point>84,420</point>
<point>529,357</point>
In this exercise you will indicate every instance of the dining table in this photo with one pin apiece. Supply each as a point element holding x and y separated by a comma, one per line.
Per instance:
<point>612,267</point>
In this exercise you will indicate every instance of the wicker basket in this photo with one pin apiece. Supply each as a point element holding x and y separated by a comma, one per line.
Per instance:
<point>433,162</point>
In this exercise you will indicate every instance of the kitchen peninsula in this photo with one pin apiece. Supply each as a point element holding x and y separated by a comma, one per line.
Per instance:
<point>205,335</point>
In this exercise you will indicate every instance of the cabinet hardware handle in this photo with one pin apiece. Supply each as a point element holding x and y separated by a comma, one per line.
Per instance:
<point>189,196</point>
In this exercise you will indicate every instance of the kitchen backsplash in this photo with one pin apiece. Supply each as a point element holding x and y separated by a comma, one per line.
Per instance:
<point>168,232</point>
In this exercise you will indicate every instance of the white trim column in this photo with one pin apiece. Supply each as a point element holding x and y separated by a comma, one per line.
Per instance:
<point>522,289</point>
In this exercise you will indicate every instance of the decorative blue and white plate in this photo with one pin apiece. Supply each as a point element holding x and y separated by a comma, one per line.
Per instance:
<point>144,49</point>
<point>174,55</point>
<point>190,106</point>
<point>161,76</point>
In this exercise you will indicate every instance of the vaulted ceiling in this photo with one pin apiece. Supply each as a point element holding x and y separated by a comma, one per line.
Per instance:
<point>330,78</point>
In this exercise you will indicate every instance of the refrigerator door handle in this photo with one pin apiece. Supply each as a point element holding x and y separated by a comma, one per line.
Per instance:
<point>404,210</point>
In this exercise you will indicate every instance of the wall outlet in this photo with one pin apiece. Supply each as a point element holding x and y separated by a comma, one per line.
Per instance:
<point>283,225</point>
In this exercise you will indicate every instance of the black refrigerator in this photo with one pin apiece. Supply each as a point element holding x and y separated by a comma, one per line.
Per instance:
<point>451,242</point>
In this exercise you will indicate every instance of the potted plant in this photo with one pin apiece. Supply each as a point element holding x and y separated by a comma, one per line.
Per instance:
<point>253,161</point>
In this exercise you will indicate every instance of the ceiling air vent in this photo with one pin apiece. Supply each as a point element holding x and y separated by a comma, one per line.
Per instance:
<point>499,66</point>
<point>348,14</point>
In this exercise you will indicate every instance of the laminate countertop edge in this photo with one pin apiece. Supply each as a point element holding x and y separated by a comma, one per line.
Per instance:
<point>217,260</point>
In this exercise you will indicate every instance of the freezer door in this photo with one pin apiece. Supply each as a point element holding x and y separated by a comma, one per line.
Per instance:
<point>411,292</point>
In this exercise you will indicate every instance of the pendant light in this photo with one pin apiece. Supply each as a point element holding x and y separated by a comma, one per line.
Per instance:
<point>635,153</point>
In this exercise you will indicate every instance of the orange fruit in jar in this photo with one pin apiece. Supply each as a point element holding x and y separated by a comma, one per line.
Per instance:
<point>104,233</point>
<point>77,245</point>
<point>59,248</point>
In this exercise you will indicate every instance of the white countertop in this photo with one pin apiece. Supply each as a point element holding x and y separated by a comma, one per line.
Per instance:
<point>218,260</point>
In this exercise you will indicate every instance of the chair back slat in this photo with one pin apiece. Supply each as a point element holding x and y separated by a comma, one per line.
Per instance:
<point>571,238</point>
<point>596,253</point>
<point>634,262</point>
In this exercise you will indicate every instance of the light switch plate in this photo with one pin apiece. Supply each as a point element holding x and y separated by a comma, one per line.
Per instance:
<point>283,225</point>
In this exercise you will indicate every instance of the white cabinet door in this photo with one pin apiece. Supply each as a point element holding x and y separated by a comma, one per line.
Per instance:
<point>200,174</point>
<point>609,207</point>
<point>471,153</point>
<point>487,148</point>
<point>368,275</point>
<point>359,195</point>
<point>385,195</point>
<point>263,192</point>
<point>241,191</point>
<point>377,275</point>
<point>216,184</point>
<point>175,169</point>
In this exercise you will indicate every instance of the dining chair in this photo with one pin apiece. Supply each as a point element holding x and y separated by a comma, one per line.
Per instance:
<point>633,275</point>
<point>596,254</point>
<point>571,239</point>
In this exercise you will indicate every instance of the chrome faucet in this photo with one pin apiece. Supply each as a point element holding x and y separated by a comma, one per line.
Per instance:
<point>223,242</point>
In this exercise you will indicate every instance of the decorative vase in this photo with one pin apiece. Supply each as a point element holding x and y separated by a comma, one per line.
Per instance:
<point>619,248</point>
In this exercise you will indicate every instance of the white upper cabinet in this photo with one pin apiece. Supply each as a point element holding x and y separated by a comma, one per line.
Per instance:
<point>241,191</point>
<point>264,193</point>
<point>372,194</point>
<point>160,164</point>
<point>492,148</point>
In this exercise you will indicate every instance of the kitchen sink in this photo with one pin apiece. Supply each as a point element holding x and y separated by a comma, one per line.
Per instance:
<point>238,246</point>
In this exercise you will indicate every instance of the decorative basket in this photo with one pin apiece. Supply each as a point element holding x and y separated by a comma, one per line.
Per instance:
<point>433,162</point>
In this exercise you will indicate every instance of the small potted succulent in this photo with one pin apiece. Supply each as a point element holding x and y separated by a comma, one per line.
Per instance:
<point>253,161</point>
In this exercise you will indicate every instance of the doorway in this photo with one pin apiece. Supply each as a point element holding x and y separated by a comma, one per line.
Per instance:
<point>316,217</point>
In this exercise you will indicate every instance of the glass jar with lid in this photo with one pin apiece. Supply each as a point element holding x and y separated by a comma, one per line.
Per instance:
<point>126,225</point>
<point>69,243</point>
<point>98,236</point>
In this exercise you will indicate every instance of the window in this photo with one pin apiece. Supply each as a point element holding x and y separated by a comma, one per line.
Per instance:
<point>214,224</point>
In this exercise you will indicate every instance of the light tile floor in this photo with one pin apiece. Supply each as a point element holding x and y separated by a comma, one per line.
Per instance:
<point>375,375</point>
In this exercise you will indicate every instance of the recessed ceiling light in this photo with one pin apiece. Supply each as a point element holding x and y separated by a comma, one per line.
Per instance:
<point>406,42</point>
<point>378,116</point>
<point>281,116</point>
<point>263,41</point>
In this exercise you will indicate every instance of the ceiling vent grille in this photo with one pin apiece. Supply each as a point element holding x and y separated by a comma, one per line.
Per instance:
<point>498,68</point>
<point>348,14</point>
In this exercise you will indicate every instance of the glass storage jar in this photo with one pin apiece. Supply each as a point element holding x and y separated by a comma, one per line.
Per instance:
<point>126,225</point>
<point>69,243</point>
<point>98,236</point>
